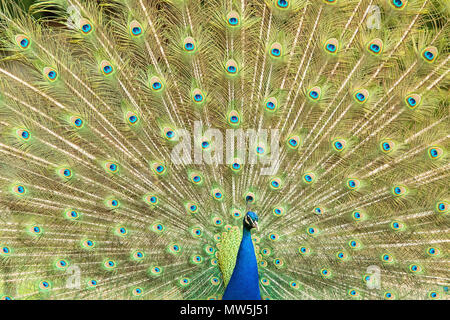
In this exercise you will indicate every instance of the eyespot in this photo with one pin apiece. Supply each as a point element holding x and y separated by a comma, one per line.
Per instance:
<point>184,282</point>
<point>217,194</point>
<point>339,144</point>
<point>260,149</point>
<point>293,142</point>
<point>233,19</point>
<point>294,285</point>
<point>192,207</point>
<point>387,258</point>
<point>209,250</point>
<point>135,28</point>
<point>22,41</point>
<point>50,73</point>
<point>263,263</point>
<point>442,207</point>
<point>330,1</point>
<point>19,190</point>
<point>375,46</point>
<point>276,50</point>
<point>169,133</point>
<point>433,251</point>
<point>205,144</point>
<point>77,122</point>
<point>121,231</point>
<point>132,118</point>
<point>156,84</point>
<point>196,259</point>
<point>137,292</point>
<point>5,251</point>
<point>318,210</point>
<point>65,173</point>
<point>353,184</point>
<point>109,265</point>
<point>111,167</point>
<point>45,285</point>
<point>189,44</point>
<point>196,232</point>
<point>138,255</point>
<point>62,264</point>
<point>196,178</point>
<point>433,295</point>
<point>236,165</point>
<point>413,101</point>
<point>435,152</point>
<point>358,215</point>
<point>278,211</point>
<point>278,262</point>
<point>113,203</point>
<point>399,191</point>
<point>71,214</point>
<point>216,221</point>
<point>23,134</point>
<point>231,67</point>
<point>429,54</point>
<point>174,248</point>
<point>266,252</point>
<point>415,268</point>
<point>274,236</point>
<point>387,146</point>
<point>271,104</point>
<point>342,255</point>
<point>398,4</point>
<point>214,262</point>
<point>250,197</point>
<point>397,225</point>
<point>309,177</point>
<point>331,46</point>
<point>197,96</point>
<point>87,244</point>
<point>234,118</point>
<point>106,68</point>
<point>236,213</point>
<point>388,295</point>
<point>303,250</point>
<point>314,93</point>
<point>265,281</point>
<point>283,4</point>
<point>158,168</point>
<point>353,293</point>
<point>85,26</point>
<point>361,96</point>
<point>6,298</point>
<point>158,227</point>
<point>325,272</point>
<point>354,244</point>
<point>214,281</point>
<point>312,231</point>
<point>275,183</point>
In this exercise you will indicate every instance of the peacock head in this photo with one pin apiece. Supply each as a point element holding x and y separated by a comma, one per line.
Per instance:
<point>251,220</point>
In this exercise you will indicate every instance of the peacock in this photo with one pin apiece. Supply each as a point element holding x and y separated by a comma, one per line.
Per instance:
<point>224,149</point>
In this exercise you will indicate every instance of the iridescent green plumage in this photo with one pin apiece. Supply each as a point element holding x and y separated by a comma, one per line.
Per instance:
<point>122,169</point>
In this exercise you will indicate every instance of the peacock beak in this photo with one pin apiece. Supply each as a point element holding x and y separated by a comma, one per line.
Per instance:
<point>255,225</point>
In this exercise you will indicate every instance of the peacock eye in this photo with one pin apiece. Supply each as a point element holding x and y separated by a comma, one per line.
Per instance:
<point>398,4</point>
<point>283,4</point>
<point>22,41</point>
<point>331,46</point>
<point>189,44</point>
<point>375,47</point>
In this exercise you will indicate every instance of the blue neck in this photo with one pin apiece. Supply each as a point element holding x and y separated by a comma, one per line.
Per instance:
<point>244,282</point>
